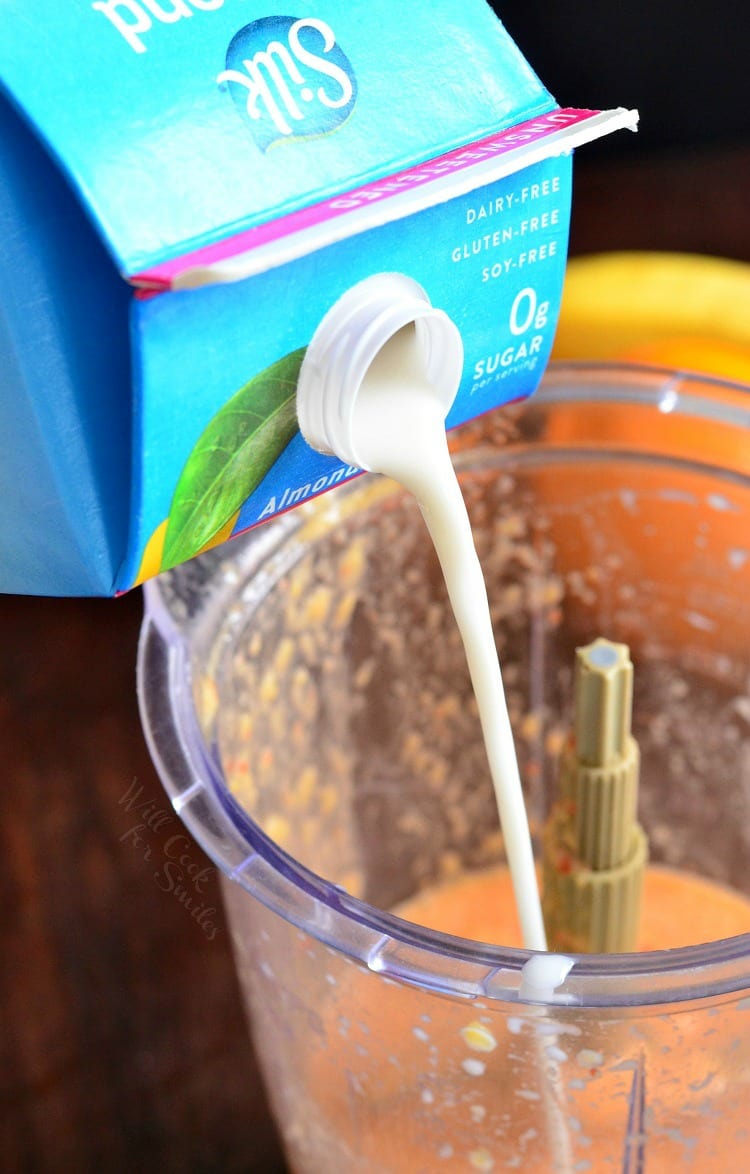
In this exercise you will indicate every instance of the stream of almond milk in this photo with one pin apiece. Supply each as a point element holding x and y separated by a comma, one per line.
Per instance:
<point>398,428</point>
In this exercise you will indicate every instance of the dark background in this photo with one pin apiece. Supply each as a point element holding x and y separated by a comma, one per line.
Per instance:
<point>122,1042</point>
<point>684,65</point>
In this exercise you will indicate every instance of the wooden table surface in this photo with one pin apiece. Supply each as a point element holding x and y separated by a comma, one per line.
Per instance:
<point>122,1040</point>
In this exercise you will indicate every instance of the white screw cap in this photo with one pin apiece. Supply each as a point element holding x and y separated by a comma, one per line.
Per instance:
<point>347,341</point>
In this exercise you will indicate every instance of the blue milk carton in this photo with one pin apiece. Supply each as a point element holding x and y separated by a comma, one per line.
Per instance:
<point>186,187</point>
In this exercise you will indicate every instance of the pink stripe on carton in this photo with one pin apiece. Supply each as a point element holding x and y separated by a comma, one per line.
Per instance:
<point>162,276</point>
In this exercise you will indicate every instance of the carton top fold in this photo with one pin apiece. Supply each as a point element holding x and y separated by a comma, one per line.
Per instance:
<point>177,140</point>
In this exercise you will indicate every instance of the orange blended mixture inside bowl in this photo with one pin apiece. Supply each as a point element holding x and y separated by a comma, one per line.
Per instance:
<point>679,909</point>
<point>409,1082</point>
<point>413,1083</point>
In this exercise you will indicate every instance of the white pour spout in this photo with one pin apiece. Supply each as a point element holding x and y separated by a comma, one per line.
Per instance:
<point>348,340</point>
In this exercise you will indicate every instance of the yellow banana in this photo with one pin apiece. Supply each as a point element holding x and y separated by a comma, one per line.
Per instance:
<point>614,303</point>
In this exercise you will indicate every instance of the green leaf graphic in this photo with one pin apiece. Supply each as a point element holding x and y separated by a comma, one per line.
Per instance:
<point>231,458</point>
